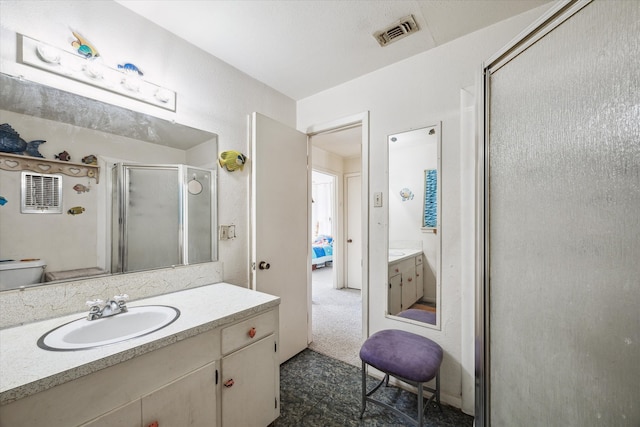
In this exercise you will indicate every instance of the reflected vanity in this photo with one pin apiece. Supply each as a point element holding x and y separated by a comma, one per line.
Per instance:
<point>414,226</point>
<point>86,242</point>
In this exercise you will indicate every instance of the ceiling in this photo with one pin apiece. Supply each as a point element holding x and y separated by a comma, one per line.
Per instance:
<point>302,47</point>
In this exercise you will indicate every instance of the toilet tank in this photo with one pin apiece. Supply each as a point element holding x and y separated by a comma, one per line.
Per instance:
<point>14,274</point>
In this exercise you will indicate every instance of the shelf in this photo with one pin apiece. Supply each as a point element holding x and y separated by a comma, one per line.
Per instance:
<point>15,162</point>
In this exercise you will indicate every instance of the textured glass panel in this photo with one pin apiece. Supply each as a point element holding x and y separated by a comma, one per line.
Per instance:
<point>199,216</point>
<point>152,218</point>
<point>564,225</point>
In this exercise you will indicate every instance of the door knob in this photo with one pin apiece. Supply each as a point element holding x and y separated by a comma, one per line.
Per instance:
<point>349,240</point>
<point>264,265</point>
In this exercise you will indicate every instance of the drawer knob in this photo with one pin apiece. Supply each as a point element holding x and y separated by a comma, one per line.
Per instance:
<point>252,332</point>
<point>228,383</point>
<point>153,424</point>
<point>409,279</point>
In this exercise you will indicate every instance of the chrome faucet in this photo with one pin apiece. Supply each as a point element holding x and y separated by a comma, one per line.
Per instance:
<point>100,308</point>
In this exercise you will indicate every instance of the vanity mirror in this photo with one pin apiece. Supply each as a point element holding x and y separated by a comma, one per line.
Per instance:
<point>414,226</point>
<point>77,242</point>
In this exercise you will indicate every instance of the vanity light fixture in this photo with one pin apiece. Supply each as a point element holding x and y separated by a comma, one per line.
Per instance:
<point>93,71</point>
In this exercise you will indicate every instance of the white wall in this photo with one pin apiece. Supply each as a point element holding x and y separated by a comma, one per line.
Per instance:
<point>427,90</point>
<point>211,95</point>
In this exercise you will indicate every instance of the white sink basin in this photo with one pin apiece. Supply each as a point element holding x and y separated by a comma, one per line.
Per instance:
<point>82,333</point>
<point>395,253</point>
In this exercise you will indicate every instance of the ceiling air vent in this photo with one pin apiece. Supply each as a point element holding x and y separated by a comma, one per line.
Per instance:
<point>398,30</point>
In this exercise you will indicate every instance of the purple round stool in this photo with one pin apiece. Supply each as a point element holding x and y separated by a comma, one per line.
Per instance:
<point>419,315</point>
<point>408,357</point>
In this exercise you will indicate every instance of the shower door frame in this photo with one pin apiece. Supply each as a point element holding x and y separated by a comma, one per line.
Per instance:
<point>554,17</point>
<point>120,265</point>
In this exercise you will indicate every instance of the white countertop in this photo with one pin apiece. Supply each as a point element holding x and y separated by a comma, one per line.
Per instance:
<point>26,369</point>
<point>397,255</point>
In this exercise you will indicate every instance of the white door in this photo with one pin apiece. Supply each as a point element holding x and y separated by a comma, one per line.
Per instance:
<point>280,242</point>
<point>354,231</point>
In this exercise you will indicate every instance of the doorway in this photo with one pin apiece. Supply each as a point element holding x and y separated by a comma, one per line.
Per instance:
<point>337,311</point>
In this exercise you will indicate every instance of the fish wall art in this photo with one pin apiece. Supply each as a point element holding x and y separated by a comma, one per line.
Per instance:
<point>10,142</point>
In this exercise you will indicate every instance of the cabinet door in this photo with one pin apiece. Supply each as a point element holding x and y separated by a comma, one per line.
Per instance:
<point>408,287</point>
<point>189,401</point>
<point>394,299</point>
<point>419,280</point>
<point>124,416</point>
<point>250,387</point>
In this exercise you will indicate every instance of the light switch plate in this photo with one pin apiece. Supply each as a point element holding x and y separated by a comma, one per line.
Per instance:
<point>377,200</point>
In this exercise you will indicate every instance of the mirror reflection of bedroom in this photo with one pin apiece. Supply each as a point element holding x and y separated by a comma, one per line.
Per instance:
<point>335,215</point>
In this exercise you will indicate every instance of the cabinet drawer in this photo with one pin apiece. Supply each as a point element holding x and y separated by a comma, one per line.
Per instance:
<point>239,335</point>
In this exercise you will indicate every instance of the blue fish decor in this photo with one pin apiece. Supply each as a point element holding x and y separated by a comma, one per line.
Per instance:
<point>130,69</point>
<point>83,46</point>
<point>3,201</point>
<point>10,142</point>
<point>232,160</point>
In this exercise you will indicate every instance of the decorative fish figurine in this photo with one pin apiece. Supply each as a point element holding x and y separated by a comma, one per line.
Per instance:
<point>130,68</point>
<point>76,210</point>
<point>3,201</point>
<point>10,142</point>
<point>81,188</point>
<point>83,46</point>
<point>64,156</point>
<point>406,194</point>
<point>232,160</point>
<point>90,160</point>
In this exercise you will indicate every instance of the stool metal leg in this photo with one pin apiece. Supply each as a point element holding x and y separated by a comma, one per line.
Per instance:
<point>420,406</point>
<point>364,389</point>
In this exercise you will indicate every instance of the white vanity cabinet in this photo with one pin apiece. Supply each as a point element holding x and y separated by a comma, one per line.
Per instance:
<point>250,372</point>
<point>186,401</point>
<point>227,376</point>
<point>405,283</point>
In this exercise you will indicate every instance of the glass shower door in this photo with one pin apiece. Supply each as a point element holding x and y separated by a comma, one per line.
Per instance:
<point>562,277</point>
<point>152,223</point>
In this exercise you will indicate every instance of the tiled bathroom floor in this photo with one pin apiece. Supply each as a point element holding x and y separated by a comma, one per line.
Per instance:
<point>316,390</point>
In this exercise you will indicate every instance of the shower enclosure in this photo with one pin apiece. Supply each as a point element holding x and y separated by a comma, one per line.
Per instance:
<point>162,216</point>
<point>558,336</point>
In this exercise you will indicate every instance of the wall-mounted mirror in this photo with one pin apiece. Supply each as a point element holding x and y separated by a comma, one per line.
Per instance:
<point>77,243</point>
<point>414,226</point>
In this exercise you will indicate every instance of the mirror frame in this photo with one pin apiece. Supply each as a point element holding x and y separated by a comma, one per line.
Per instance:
<point>437,230</point>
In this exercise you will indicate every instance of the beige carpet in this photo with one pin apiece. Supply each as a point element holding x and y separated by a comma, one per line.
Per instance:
<point>337,319</point>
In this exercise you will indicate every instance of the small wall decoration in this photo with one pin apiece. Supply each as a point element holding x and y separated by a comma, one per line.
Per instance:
<point>406,194</point>
<point>81,188</point>
<point>129,68</point>
<point>10,142</point>
<point>76,210</point>
<point>3,201</point>
<point>430,198</point>
<point>232,160</point>
<point>83,46</point>
<point>90,160</point>
<point>64,156</point>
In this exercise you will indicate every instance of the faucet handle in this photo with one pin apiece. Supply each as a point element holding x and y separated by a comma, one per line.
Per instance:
<point>95,302</point>
<point>122,297</point>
